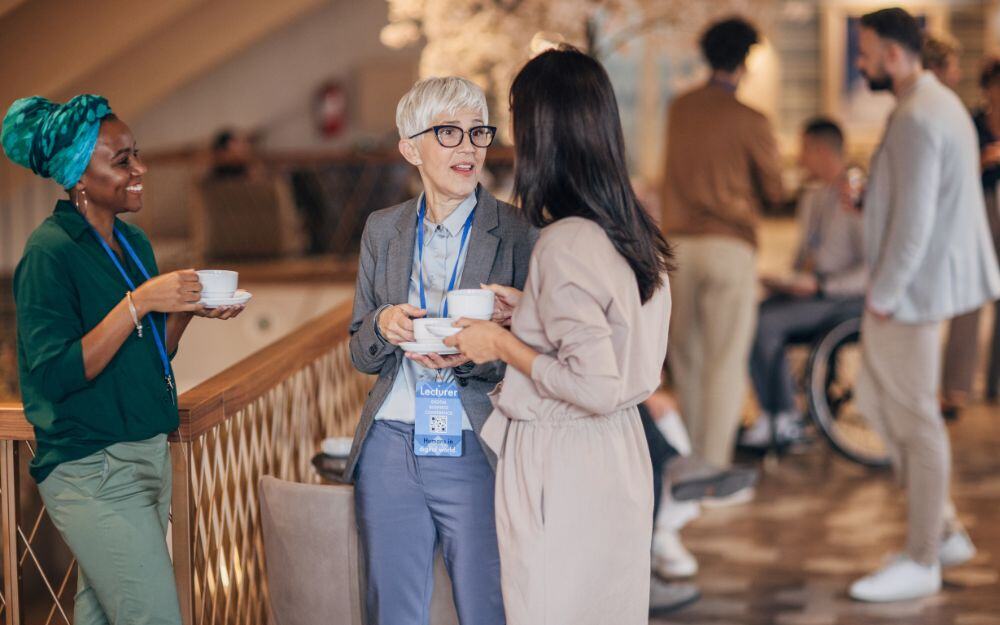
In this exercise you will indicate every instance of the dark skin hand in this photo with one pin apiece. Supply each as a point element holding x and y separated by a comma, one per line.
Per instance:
<point>112,185</point>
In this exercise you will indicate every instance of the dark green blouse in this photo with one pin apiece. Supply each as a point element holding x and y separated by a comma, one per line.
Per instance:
<point>64,286</point>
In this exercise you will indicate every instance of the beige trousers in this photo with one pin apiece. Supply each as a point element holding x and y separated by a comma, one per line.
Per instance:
<point>897,390</point>
<point>714,293</point>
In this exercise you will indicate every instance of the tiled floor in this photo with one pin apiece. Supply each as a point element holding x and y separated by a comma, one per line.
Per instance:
<point>818,522</point>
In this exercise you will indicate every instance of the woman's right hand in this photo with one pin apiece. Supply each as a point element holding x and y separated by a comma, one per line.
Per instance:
<point>177,291</point>
<point>396,323</point>
<point>505,301</point>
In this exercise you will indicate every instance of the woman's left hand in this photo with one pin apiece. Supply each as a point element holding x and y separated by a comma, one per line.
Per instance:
<point>480,341</point>
<point>505,300</point>
<point>221,312</point>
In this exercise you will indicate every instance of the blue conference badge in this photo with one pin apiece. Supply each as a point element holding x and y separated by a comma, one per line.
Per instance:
<point>438,427</point>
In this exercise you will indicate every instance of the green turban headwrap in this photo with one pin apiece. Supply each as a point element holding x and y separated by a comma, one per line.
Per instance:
<point>54,140</point>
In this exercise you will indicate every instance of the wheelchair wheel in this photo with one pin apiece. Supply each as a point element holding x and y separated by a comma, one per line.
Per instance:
<point>831,372</point>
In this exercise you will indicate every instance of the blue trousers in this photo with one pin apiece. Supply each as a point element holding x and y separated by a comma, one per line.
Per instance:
<point>406,505</point>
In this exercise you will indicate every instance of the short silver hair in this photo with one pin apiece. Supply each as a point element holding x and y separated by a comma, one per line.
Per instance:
<point>431,97</point>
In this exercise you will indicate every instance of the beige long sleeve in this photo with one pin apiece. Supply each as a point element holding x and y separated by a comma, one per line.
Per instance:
<point>571,304</point>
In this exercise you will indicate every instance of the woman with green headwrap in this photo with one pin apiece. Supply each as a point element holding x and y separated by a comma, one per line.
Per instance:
<point>97,326</point>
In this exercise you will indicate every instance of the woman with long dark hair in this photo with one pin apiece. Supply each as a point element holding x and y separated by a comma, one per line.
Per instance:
<point>574,492</point>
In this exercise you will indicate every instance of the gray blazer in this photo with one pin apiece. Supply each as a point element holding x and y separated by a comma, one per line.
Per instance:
<point>928,245</point>
<point>499,250</point>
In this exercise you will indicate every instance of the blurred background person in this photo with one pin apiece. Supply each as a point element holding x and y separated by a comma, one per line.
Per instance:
<point>233,155</point>
<point>722,167</point>
<point>827,284</point>
<point>930,258</point>
<point>677,470</point>
<point>940,55</point>
<point>681,483</point>
<point>987,120</point>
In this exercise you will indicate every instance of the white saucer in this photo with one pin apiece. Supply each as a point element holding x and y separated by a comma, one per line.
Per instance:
<point>338,447</point>
<point>435,347</point>
<point>239,298</point>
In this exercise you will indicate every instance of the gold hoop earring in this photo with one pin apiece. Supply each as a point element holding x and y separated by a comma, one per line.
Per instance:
<point>76,201</point>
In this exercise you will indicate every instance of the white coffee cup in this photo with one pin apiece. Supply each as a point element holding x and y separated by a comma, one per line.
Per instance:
<point>424,329</point>
<point>216,283</point>
<point>444,331</point>
<point>471,303</point>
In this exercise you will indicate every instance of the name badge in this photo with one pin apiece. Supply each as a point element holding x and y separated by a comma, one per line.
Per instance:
<point>437,430</point>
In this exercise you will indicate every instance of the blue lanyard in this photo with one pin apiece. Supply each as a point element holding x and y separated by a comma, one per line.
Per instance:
<point>420,252</point>
<point>160,347</point>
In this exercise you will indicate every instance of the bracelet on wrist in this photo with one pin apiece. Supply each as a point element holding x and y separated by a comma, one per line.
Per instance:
<point>135,315</point>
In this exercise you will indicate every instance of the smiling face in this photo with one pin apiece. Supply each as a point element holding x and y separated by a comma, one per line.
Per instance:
<point>448,173</point>
<point>113,178</point>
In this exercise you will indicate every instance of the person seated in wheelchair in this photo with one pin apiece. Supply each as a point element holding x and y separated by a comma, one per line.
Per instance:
<point>826,285</point>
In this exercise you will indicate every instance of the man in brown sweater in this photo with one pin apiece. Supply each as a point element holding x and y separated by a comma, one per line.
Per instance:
<point>722,168</point>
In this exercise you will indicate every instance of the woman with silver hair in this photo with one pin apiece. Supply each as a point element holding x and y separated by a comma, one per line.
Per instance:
<point>453,235</point>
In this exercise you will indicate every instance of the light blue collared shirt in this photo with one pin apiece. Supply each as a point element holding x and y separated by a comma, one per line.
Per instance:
<point>441,252</point>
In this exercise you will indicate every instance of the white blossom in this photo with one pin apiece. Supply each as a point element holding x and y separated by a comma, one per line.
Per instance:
<point>487,41</point>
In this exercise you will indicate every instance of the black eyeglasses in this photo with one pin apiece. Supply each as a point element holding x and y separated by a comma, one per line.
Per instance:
<point>452,136</point>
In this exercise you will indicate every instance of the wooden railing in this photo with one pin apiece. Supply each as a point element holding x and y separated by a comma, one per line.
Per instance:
<point>263,416</point>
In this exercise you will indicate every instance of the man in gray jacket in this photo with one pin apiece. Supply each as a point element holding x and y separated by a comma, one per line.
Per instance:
<point>930,258</point>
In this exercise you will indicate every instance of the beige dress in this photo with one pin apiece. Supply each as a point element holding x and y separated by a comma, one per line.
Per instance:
<point>574,493</point>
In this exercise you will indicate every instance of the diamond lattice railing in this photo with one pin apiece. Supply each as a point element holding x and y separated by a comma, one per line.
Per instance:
<point>275,435</point>
<point>46,567</point>
<point>222,568</point>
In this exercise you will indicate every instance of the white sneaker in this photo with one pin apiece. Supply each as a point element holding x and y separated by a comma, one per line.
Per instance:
<point>791,426</point>
<point>758,435</point>
<point>956,549</point>
<point>671,560</point>
<point>674,515</point>
<point>901,580</point>
<point>790,430</point>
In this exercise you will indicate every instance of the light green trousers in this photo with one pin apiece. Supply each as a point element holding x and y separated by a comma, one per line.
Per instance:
<point>111,509</point>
